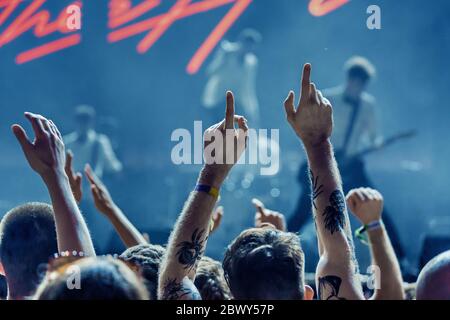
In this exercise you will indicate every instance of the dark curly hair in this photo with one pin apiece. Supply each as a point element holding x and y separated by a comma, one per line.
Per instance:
<point>210,280</point>
<point>148,257</point>
<point>264,263</point>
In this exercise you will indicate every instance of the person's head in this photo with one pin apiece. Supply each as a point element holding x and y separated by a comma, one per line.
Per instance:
<point>264,263</point>
<point>210,280</point>
<point>359,73</point>
<point>148,257</point>
<point>27,242</point>
<point>249,39</point>
<point>84,118</point>
<point>93,278</point>
<point>433,282</point>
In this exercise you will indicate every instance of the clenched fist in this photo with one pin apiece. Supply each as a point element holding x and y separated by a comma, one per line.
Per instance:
<point>366,204</point>
<point>312,120</point>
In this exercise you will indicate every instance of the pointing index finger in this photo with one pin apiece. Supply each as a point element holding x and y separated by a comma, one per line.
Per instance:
<point>306,81</point>
<point>229,114</point>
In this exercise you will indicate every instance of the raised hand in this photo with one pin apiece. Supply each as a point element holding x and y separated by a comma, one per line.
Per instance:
<point>216,219</point>
<point>46,154</point>
<point>74,178</point>
<point>265,216</point>
<point>224,145</point>
<point>312,120</point>
<point>366,204</point>
<point>102,199</point>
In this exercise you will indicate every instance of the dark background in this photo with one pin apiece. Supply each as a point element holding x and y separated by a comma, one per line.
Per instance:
<point>151,95</point>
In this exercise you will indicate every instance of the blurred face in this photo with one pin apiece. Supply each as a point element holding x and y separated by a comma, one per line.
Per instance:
<point>355,86</point>
<point>248,45</point>
<point>84,124</point>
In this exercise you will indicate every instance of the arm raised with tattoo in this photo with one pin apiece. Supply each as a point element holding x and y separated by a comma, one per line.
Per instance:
<point>312,121</point>
<point>46,155</point>
<point>367,205</point>
<point>223,147</point>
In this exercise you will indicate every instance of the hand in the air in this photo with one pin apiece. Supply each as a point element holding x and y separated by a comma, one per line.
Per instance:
<point>265,216</point>
<point>216,219</point>
<point>224,145</point>
<point>102,199</point>
<point>366,204</point>
<point>312,120</point>
<point>46,154</point>
<point>74,178</point>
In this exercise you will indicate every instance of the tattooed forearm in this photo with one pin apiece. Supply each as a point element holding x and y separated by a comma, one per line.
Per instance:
<point>190,252</point>
<point>353,254</point>
<point>329,288</point>
<point>317,189</point>
<point>334,214</point>
<point>174,290</point>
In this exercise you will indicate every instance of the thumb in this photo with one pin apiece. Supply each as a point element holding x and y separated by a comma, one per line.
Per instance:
<point>22,137</point>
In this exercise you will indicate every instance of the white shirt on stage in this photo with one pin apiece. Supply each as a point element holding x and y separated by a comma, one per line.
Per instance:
<point>95,150</point>
<point>365,133</point>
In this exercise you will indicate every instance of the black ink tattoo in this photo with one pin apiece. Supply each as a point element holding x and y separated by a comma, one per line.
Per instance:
<point>329,288</point>
<point>190,253</point>
<point>185,290</point>
<point>352,254</point>
<point>317,189</point>
<point>174,290</point>
<point>335,213</point>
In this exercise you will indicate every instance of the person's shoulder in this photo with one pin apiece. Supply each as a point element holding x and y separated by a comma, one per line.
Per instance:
<point>70,138</point>
<point>228,46</point>
<point>251,59</point>
<point>368,98</point>
<point>333,93</point>
<point>102,138</point>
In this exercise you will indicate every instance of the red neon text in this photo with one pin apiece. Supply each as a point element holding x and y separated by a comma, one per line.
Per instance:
<point>320,8</point>
<point>121,20</point>
<point>38,21</point>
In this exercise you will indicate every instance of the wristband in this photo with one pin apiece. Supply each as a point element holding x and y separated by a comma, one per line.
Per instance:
<point>214,192</point>
<point>359,233</point>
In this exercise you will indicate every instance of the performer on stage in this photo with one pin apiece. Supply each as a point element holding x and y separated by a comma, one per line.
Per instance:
<point>93,148</point>
<point>88,146</point>
<point>355,129</point>
<point>235,67</point>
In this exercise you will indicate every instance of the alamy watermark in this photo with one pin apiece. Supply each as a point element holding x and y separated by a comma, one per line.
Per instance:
<point>262,148</point>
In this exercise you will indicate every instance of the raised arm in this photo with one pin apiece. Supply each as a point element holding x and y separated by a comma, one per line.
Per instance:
<point>46,156</point>
<point>104,203</point>
<point>312,121</point>
<point>188,239</point>
<point>367,205</point>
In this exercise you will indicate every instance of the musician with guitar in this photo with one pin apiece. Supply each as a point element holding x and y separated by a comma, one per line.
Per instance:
<point>354,135</point>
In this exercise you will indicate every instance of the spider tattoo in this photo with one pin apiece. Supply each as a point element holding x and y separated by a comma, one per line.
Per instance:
<point>174,290</point>
<point>190,252</point>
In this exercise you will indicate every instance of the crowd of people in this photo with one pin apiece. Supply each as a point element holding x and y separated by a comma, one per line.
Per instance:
<point>47,252</point>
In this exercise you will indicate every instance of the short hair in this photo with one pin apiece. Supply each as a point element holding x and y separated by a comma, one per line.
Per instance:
<point>85,112</point>
<point>27,241</point>
<point>360,68</point>
<point>264,263</point>
<point>210,280</point>
<point>149,258</point>
<point>100,278</point>
<point>433,282</point>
